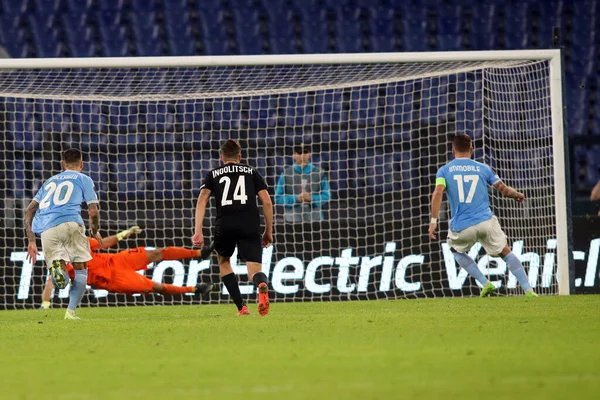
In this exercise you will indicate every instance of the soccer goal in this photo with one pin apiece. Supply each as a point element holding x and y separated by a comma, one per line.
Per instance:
<point>375,127</point>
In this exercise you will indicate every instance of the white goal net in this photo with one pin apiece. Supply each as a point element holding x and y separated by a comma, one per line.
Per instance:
<point>376,133</point>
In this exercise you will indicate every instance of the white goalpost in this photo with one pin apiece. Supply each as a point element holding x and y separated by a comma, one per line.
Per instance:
<point>377,126</point>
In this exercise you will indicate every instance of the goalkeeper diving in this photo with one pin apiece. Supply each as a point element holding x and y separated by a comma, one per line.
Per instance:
<point>116,272</point>
<point>465,181</point>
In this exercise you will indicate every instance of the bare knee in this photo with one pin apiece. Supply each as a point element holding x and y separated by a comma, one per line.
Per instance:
<point>224,265</point>
<point>155,255</point>
<point>76,265</point>
<point>505,251</point>
<point>253,269</point>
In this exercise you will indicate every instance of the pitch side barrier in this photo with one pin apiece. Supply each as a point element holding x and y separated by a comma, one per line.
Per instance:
<point>372,264</point>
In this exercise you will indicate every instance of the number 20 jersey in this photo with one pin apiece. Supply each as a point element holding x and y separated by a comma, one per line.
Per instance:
<point>235,187</point>
<point>466,184</point>
<point>60,199</point>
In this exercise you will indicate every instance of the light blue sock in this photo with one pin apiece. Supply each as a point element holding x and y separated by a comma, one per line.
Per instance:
<point>469,265</point>
<point>78,286</point>
<point>515,266</point>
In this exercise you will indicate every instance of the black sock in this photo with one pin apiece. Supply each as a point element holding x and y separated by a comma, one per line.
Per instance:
<point>259,278</point>
<point>231,283</point>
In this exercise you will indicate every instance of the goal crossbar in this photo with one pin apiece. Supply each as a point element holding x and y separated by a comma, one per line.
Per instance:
<point>287,59</point>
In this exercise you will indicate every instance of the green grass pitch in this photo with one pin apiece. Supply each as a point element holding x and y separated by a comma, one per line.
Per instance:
<point>500,348</point>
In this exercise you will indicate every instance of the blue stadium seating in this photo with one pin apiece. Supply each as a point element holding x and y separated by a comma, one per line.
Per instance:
<point>112,33</point>
<point>179,31</point>
<point>382,27</point>
<point>56,28</point>
<point>146,33</point>
<point>314,34</point>
<point>80,35</point>
<point>349,38</point>
<point>12,35</point>
<point>214,29</point>
<point>414,27</point>
<point>281,30</point>
<point>97,169</point>
<point>448,24</point>
<point>247,31</point>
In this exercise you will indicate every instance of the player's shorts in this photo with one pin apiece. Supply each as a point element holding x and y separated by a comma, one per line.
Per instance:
<point>133,259</point>
<point>66,241</point>
<point>247,239</point>
<point>488,233</point>
<point>128,281</point>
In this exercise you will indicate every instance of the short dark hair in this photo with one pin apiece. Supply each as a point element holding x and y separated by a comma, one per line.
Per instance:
<point>299,149</point>
<point>461,143</point>
<point>230,149</point>
<point>72,156</point>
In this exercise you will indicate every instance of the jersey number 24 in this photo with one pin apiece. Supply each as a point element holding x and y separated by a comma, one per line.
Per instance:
<point>239,193</point>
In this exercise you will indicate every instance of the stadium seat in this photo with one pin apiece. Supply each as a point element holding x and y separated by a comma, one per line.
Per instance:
<point>214,31</point>
<point>97,169</point>
<point>415,30</point>
<point>150,6</point>
<point>12,36</point>
<point>124,173</point>
<point>179,31</point>
<point>517,26</point>
<point>382,25</point>
<point>449,20</point>
<point>247,32</point>
<point>17,179</point>
<point>44,7</point>
<point>593,175</point>
<point>349,37</point>
<point>281,30</point>
<point>113,34</point>
<point>315,38</point>
<point>211,6</point>
<point>80,37</point>
<point>10,7</point>
<point>28,140</point>
<point>80,6</point>
<point>484,25</point>
<point>146,33</point>
<point>576,112</point>
<point>548,15</point>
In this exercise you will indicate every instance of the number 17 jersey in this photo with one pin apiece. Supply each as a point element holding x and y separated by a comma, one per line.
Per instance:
<point>466,184</point>
<point>235,187</point>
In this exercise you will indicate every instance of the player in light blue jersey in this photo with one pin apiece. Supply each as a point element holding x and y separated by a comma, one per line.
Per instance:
<point>55,215</point>
<point>465,182</point>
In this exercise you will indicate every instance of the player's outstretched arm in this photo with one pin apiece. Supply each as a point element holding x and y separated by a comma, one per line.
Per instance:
<point>114,239</point>
<point>203,198</point>
<point>32,246</point>
<point>265,198</point>
<point>436,204</point>
<point>509,192</point>
<point>595,192</point>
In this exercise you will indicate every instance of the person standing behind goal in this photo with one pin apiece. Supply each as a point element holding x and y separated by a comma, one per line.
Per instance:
<point>235,187</point>
<point>465,181</point>
<point>55,214</point>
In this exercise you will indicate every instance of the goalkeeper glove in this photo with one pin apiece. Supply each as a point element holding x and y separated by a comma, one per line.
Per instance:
<point>134,230</point>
